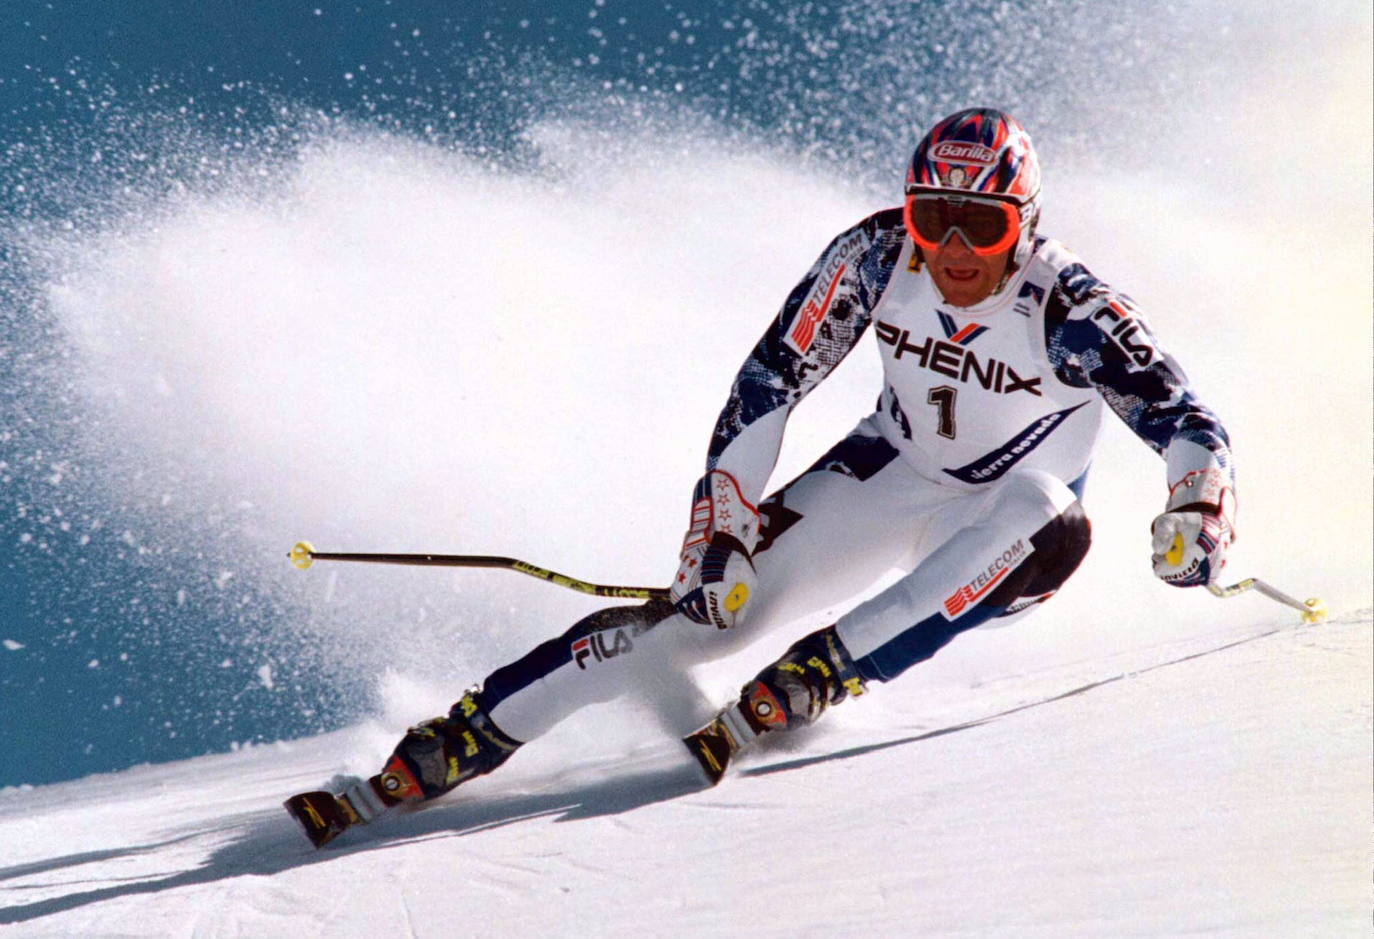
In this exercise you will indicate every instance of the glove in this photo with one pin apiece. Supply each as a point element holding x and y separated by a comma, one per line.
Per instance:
<point>1190,538</point>
<point>715,577</point>
<point>715,580</point>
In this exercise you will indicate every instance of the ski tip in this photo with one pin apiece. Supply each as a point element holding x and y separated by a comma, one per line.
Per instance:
<point>320,816</point>
<point>711,752</point>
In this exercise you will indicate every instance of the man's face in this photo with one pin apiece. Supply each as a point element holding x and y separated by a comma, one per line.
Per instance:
<point>963,277</point>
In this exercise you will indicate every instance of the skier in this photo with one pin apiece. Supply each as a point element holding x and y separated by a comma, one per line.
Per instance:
<point>1000,352</point>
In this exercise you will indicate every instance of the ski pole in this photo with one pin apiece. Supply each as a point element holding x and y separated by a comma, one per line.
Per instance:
<point>1313,611</point>
<point>304,554</point>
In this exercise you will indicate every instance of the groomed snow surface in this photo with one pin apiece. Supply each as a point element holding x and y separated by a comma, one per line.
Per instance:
<point>1218,786</point>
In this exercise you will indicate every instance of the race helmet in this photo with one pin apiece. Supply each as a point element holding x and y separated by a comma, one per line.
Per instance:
<point>975,172</point>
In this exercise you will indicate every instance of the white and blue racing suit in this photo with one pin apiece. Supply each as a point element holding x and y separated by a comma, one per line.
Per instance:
<point>967,477</point>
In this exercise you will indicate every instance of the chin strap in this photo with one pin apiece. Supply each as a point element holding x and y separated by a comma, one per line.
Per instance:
<point>1025,247</point>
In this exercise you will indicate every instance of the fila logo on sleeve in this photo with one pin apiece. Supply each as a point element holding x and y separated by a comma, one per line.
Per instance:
<point>1123,330</point>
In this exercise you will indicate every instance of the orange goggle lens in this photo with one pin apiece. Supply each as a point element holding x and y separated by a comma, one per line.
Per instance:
<point>988,227</point>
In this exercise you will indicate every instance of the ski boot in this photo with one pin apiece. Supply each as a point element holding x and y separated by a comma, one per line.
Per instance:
<point>433,758</point>
<point>793,692</point>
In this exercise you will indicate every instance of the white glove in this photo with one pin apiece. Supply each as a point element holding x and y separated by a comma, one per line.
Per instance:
<point>715,578</point>
<point>1191,537</point>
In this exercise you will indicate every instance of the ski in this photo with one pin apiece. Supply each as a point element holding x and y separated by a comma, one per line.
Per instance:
<point>326,815</point>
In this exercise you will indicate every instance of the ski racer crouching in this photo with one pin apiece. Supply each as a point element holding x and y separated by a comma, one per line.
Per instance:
<point>1000,353</point>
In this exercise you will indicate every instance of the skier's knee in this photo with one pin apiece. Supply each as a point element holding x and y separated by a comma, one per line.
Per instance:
<point>1059,546</point>
<point>1065,540</point>
<point>794,691</point>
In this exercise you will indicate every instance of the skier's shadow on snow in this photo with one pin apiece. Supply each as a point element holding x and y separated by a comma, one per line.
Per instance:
<point>929,734</point>
<point>271,843</point>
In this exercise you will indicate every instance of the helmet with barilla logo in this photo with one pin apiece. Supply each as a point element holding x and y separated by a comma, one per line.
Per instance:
<point>982,152</point>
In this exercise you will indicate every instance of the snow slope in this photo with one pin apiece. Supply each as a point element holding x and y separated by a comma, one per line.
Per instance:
<point>1216,785</point>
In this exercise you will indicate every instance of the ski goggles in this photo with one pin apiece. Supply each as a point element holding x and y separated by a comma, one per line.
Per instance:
<point>989,226</point>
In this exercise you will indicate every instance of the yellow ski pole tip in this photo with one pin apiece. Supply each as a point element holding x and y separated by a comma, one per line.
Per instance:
<point>1316,610</point>
<point>301,554</point>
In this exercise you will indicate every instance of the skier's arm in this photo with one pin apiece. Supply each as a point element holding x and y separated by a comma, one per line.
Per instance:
<point>1096,338</point>
<point>822,318</point>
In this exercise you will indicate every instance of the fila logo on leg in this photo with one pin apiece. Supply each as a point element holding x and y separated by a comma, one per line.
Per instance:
<point>600,646</point>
